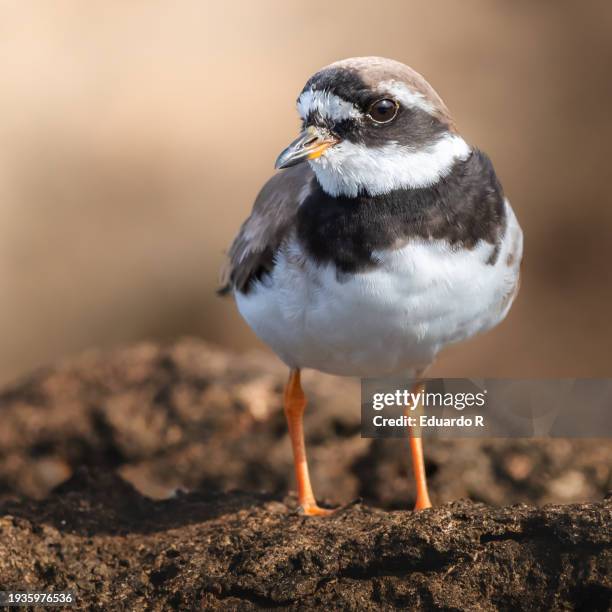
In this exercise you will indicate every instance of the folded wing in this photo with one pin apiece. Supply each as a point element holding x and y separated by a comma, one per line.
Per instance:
<point>252,253</point>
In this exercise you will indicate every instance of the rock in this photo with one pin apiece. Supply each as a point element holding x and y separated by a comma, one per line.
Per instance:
<point>155,477</point>
<point>116,549</point>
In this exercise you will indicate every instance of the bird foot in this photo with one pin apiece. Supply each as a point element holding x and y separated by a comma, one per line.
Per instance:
<point>422,504</point>
<point>312,509</point>
<point>315,510</point>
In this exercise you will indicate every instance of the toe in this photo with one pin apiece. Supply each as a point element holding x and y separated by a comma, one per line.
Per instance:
<point>314,510</point>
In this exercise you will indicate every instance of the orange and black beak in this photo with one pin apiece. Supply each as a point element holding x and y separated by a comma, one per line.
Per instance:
<point>310,144</point>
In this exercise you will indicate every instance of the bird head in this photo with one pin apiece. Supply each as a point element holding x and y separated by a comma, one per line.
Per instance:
<point>372,125</point>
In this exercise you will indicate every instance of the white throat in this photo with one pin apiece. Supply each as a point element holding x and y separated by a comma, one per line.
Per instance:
<point>348,169</point>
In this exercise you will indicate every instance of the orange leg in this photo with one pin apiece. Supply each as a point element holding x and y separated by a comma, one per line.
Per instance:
<point>418,461</point>
<point>295,403</point>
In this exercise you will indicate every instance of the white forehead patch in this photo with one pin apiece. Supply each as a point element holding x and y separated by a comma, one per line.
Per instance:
<point>347,169</point>
<point>328,105</point>
<point>405,96</point>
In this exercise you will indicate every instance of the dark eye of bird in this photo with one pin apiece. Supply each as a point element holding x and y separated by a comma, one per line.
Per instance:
<point>383,111</point>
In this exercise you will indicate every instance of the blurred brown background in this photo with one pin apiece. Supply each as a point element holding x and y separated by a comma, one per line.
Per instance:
<point>136,135</point>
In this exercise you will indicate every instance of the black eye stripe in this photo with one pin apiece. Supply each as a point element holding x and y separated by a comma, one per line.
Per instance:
<point>346,124</point>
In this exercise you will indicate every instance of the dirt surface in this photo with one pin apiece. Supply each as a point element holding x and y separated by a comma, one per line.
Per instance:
<point>118,550</point>
<point>116,478</point>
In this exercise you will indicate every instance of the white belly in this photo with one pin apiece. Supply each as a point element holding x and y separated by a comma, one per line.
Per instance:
<point>392,319</point>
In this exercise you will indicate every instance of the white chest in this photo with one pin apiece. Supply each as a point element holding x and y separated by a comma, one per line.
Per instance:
<point>393,318</point>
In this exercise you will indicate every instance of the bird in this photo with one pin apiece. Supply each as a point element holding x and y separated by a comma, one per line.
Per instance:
<point>382,238</point>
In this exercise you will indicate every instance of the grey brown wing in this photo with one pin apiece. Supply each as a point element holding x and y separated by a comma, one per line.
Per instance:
<point>251,255</point>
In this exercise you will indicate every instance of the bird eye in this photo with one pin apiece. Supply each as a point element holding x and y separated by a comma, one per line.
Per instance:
<point>383,111</point>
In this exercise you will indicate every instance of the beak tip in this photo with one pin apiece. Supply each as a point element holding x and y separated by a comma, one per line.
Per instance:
<point>308,145</point>
<point>284,161</point>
